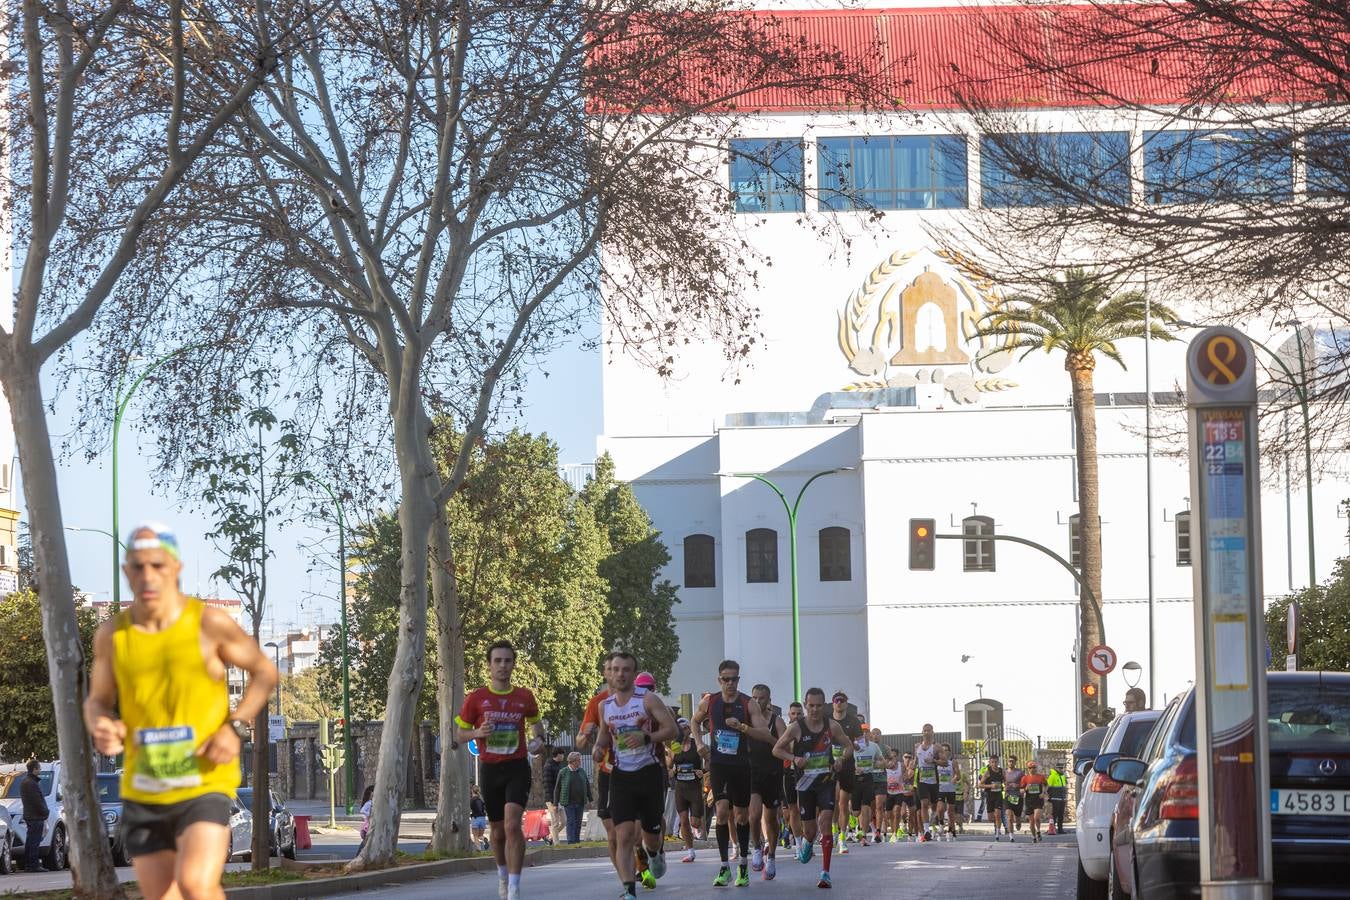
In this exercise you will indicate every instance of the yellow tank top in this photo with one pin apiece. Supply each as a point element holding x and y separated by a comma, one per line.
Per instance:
<point>170,704</point>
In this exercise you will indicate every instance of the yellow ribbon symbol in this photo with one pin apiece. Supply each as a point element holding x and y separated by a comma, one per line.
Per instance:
<point>1221,365</point>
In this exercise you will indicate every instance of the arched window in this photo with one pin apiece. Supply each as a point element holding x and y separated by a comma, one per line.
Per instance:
<point>700,561</point>
<point>978,555</point>
<point>836,562</point>
<point>1183,521</point>
<point>761,556</point>
<point>1075,542</point>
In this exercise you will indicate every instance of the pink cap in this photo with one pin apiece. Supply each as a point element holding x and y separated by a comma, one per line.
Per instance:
<point>645,680</point>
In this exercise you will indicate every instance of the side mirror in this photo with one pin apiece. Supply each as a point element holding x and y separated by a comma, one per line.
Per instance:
<point>1082,767</point>
<point>1102,763</point>
<point>1127,770</point>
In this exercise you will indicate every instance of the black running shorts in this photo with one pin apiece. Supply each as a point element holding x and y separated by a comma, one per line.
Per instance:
<point>789,787</point>
<point>689,797</point>
<point>503,783</point>
<point>768,784</point>
<point>151,827</point>
<point>638,797</point>
<point>928,792</point>
<point>864,792</point>
<point>817,798</point>
<point>993,801</point>
<point>602,795</point>
<point>730,783</point>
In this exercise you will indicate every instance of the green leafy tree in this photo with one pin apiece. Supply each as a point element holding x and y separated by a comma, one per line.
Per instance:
<point>640,615</point>
<point>27,728</point>
<point>1079,315</point>
<point>310,695</point>
<point>1324,624</point>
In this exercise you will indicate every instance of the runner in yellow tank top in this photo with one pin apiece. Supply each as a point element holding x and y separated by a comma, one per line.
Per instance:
<point>162,663</point>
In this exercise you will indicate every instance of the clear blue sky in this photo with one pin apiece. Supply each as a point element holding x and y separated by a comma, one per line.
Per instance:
<point>303,576</point>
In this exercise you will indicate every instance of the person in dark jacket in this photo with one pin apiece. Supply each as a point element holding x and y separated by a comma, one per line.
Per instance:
<point>571,794</point>
<point>35,814</point>
<point>553,763</point>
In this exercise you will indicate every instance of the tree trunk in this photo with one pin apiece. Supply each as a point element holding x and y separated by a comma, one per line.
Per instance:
<point>417,475</point>
<point>453,802</point>
<point>262,805</point>
<point>1091,634</point>
<point>91,865</point>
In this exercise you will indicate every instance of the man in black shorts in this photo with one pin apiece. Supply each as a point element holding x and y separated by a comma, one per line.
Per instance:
<point>766,788</point>
<point>498,716</point>
<point>991,782</point>
<point>635,725</point>
<point>808,744</point>
<point>847,779</point>
<point>686,775</point>
<point>732,719</point>
<point>794,816</point>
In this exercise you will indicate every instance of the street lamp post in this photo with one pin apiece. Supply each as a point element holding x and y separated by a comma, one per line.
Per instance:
<point>276,656</point>
<point>121,401</point>
<point>791,509</point>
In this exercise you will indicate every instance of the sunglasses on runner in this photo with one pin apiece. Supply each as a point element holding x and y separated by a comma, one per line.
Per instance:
<point>729,679</point>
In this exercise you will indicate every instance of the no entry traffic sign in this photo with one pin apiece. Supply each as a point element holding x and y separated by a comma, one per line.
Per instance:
<point>1101,660</point>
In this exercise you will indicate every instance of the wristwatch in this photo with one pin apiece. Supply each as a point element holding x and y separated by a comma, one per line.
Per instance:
<point>241,728</point>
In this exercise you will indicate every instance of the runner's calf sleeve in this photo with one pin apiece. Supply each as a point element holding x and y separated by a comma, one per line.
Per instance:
<point>723,839</point>
<point>826,845</point>
<point>743,839</point>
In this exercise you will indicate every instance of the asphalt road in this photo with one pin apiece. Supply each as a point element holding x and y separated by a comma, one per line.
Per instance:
<point>971,866</point>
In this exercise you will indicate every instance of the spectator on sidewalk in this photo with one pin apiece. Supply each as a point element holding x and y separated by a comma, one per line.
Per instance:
<point>35,814</point>
<point>553,764</point>
<point>477,817</point>
<point>1058,789</point>
<point>367,799</point>
<point>571,794</point>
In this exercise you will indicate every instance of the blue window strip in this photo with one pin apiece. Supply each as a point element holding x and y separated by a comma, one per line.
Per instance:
<point>1204,165</point>
<point>911,172</point>
<point>766,175</point>
<point>1060,169</point>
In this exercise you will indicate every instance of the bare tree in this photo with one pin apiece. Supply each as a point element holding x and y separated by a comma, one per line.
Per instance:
<point>1221,177</point>
<point>110,104</point>
<point>434,194</point>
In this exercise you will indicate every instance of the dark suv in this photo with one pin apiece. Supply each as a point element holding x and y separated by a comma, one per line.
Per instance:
<point>1155,837</point>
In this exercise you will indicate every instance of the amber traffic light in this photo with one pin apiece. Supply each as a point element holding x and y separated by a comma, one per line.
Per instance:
<point>921,556</point>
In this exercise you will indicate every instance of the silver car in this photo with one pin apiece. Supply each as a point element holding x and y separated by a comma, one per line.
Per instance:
<point>241,832</point>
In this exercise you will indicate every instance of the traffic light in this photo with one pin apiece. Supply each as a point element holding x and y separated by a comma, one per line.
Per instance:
<point>1090,691</point>
<point>921,556</point>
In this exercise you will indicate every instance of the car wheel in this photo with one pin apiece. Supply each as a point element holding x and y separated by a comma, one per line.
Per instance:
<point>1113,882</point>
<point>57,856</point>
<point>289,850</point>
<point>119,854</point>
<point>229,850</point>
<point>6,858</point>
<point>1087,888</point>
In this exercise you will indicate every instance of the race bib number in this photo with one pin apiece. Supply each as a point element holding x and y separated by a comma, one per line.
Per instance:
<point>166,760</point>
<point>1013,795</point>
<point>684,772</point>
<point>504,739</point>
<point>728,741</point>
<point>928,774</point>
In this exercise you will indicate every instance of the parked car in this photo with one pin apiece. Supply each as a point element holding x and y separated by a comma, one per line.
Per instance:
<point>1155,837</point>
<point>109,786</point>
<point>241,831</point>
<point>7,854</point>
<point>281,823</point>
<point>55,845</point>
<point>1097,798</point>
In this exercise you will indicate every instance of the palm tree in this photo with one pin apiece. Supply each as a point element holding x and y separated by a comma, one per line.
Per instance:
<point>1080,316</point>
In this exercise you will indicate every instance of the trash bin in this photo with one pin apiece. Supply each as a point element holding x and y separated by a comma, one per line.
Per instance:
<point>302,841</point>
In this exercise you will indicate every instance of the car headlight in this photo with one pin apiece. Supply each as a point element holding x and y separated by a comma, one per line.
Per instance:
<point>109,817</point>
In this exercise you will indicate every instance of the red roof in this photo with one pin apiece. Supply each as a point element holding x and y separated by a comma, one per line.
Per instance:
<point>1006,56</point>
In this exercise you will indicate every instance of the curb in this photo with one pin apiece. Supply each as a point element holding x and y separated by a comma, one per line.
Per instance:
<point>364,881</point>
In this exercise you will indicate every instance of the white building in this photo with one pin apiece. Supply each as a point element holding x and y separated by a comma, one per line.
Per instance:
<point>868,364</point>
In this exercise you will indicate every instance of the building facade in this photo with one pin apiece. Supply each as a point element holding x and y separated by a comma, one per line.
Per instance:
<point>870,368</point>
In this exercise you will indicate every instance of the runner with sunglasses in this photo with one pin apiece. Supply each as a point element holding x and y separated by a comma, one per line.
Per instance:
<point>731,718</point>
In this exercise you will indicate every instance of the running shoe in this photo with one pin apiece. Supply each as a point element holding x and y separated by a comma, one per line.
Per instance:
<point>824,880</point>
<point>757,860</point>
<point>513,892</point>
<point>649,880</point>
<point>723,877</point>
<point>656,865</point>
<point>688,855</point>
<point>743,877</point>
<point>770,869</point>
<point>843,848</point>
<point>804,852</point>
<point>501,889</point>
<point>627,895</point>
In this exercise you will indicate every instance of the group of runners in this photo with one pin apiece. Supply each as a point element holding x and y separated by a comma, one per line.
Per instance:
<point>816,767</point>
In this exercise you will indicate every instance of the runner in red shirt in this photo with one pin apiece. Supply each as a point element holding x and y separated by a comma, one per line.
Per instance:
<point>496,717</point>
<point>1034,791</point>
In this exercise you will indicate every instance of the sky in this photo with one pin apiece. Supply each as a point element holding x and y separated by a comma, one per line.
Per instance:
<point>303,582</point>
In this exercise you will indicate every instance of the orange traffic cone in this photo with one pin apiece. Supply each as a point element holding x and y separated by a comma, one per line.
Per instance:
<point>1051,829</point>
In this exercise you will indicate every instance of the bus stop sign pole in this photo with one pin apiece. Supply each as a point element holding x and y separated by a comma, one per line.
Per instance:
<point>1230,680</point>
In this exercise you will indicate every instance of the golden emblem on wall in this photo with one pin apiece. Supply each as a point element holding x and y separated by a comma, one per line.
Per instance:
<point>913,321</point>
